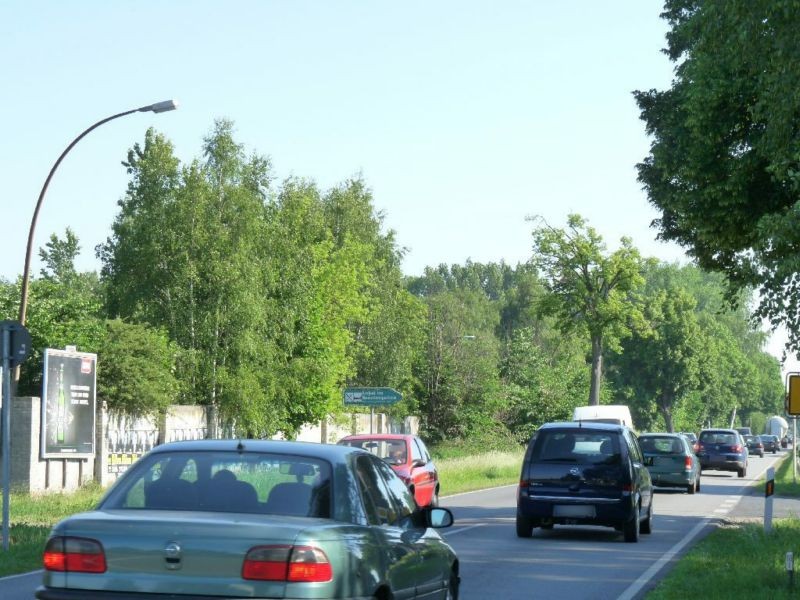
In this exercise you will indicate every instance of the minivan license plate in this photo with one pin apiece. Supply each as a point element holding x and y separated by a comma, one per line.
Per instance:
<point>583,511</point>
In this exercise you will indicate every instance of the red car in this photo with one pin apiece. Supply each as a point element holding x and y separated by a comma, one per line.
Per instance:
<point>409,458</point>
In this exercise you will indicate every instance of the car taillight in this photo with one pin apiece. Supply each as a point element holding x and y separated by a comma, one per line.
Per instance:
<point>627,487</point>
<point>74,555</point>
<point>687,463</point>
<point>698,447</point>
<point>737,448</point>
<point>287,563</point>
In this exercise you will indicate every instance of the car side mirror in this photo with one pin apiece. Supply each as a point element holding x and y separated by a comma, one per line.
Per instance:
<point>438,517</point>
<point>418,463</point>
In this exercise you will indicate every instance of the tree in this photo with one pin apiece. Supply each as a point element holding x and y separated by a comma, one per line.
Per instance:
<point>135,369</point>
<point>589,290</point>
<point>724,164</point>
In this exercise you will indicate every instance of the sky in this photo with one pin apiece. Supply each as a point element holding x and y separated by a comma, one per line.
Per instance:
<point>465,118</point>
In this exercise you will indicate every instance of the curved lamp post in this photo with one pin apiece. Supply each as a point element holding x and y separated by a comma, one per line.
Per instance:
<point>158,107</point>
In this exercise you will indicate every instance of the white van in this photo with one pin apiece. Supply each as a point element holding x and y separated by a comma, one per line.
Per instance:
<point>604,413</point>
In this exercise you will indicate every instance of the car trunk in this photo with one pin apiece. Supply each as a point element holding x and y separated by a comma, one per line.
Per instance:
<point>575,481</point>
<point>180,552</point>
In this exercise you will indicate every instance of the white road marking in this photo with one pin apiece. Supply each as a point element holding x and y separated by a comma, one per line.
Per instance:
<point>462,529</point>
<point>10,577</point>
<point>637,585</point>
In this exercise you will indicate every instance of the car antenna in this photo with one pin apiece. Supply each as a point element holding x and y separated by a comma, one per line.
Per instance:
<point>240,447</point>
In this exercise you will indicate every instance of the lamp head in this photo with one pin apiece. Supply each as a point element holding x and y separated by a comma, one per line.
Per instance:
<point>160,107</point>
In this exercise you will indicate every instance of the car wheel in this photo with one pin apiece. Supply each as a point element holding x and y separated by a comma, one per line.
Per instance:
<point>742,472</point>
<point>435,498</point>
<point>630,530</point>
<point>524,527</point>
<point>691,488</point>
<point>647,524</point>
<point>697,484</point>
<point>452,588</point>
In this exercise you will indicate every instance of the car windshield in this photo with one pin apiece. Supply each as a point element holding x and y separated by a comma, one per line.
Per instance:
<point>392,451</point>
<point>226,482</point>
<point>661,445</point>
<point>580,447</point>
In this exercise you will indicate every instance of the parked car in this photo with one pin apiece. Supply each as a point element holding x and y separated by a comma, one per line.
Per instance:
<point>771,443</point>
<point>754,445</point>
<point>584,473</point>
<point>673,462</point>
<point>410,459</point>
<point>252,519</point>
<point>722,450</point>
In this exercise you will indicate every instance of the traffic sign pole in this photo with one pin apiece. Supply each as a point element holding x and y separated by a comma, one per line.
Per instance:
<point>5,415</point>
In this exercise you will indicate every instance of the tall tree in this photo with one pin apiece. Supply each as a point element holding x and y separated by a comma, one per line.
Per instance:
<point>724,164</point>
<point>590,289</point>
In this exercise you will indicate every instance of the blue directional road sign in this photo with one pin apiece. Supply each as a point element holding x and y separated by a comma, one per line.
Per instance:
<point>371,396</point>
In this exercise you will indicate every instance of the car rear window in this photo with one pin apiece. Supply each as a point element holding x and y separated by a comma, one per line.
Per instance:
<point>580,447</point>
<point>392,451</point>
<point>661,445</point>
<point>718,437</point>
<point>246,482</point>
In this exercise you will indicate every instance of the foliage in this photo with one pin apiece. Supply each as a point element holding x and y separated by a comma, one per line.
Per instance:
<point>135,369</point>
<point>724,164</point>
<point>590,290</point>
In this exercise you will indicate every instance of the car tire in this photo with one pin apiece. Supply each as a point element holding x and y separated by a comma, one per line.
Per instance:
<point>630,529</point>
<point>742,472</point>
<point>691,488</point>
<point>452,587</point>
<point>524,527</point>
<point>647,524</point>
<point>697,484</point>
<point>435,498</point>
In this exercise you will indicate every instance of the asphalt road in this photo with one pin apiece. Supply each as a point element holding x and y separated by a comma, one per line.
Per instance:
<point>577,563</point>
<point>568,562</point>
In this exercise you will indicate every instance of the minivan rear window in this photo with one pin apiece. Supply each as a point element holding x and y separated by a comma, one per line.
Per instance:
<point>717,437</point>
<point>579,447</point>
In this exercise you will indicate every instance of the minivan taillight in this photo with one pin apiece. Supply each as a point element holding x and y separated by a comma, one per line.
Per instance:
<point>74,555</point>
<point>687,463</point>
<point>287,563</point>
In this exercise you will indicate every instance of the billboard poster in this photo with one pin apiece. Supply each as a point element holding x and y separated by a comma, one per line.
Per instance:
<point>68,404</point>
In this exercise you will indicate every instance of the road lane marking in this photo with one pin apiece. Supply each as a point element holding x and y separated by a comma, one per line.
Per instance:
<point>496,487</point>
<point>462,529</point>
<point>645,578</point>
<point>10,577</point>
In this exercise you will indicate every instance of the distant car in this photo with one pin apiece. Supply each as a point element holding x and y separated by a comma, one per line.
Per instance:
<point>252,519</point>
<point>743,431</point>
<point>673,462</point>
<point>754,445</point>
<point>771,443</point>
<point>722,450</point>
<point>584,474</point>
<point>692,438</point>
<point>408,456</point>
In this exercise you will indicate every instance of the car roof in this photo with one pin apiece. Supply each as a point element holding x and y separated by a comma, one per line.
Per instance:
<point>378,436</point>
<point>661,434</point>
<point>719,430</point>
<point>330,452</point>
<point>590,425</point>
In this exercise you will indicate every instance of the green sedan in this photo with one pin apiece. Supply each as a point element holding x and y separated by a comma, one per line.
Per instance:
<point>219,519</point>
<point>671,461</point>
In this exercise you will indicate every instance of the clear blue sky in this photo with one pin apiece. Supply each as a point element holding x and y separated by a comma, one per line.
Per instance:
<point>464,117</point>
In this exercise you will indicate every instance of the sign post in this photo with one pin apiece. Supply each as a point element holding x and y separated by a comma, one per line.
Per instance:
<point>372,397</point>
<point>769,491</point>
<point>15,345</point>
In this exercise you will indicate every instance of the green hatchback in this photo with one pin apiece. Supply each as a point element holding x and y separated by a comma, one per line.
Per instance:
<point>671,461</point>
<point>216,519</point>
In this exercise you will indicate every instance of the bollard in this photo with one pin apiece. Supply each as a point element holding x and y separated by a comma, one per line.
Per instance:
<point>790,568</point>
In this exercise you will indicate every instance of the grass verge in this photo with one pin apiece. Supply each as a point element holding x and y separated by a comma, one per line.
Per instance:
<point>784,479</point>
<point>468,473</point>
<point>31,518</point>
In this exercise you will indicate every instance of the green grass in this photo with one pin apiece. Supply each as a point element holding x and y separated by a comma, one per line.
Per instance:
<point>30,520</point>
<point>784,479</point>
<point>467,473</point>
<point>738,557</point>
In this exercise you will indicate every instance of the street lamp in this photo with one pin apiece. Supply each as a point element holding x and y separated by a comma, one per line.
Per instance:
<point>158,107</point>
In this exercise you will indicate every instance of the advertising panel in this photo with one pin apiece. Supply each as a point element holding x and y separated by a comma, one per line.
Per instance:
<point>68,404</point>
